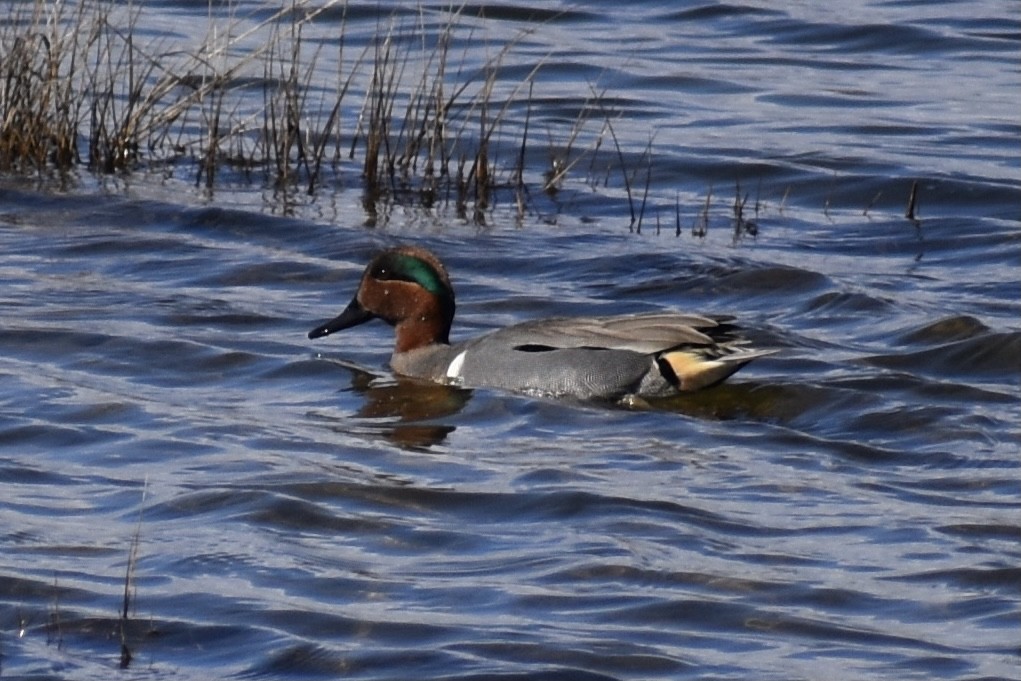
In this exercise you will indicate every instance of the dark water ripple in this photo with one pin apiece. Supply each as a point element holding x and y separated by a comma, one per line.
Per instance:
<point>848,507</point>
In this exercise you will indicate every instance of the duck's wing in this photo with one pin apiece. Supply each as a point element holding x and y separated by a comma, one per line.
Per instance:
<point>649,333</point>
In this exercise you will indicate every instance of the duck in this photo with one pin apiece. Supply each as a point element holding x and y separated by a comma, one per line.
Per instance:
<point>641,355</point>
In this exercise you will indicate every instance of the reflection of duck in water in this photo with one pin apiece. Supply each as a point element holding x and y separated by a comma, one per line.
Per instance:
<point>408,412</point>
<point>646,355</point>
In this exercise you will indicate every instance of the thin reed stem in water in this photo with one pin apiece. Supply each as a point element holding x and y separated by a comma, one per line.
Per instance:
<point>912,202</point>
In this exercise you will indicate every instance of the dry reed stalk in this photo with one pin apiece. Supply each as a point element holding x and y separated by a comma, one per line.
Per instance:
<point>129,575</point>
<point>700,228</point>
<point>912,202</point>
<point>40,102</point>
<point>648,182</point>
<point>620,155</point>
<point>677,214</point>
<point>427,125</point>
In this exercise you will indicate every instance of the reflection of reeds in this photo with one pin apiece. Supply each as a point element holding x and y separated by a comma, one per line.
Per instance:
<point>77,84</point>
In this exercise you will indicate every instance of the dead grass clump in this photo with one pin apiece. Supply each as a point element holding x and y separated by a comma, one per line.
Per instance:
<point>40,102</point>
<point>419,120</point>
<point>430,127</point>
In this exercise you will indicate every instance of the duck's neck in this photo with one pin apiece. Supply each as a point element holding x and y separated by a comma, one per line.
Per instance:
<point>421,331</point>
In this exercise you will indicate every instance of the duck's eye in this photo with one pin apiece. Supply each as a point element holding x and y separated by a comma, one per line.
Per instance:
<point>385,271</point>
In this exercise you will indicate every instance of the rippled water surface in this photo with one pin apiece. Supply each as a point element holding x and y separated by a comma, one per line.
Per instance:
<point>849,508</point>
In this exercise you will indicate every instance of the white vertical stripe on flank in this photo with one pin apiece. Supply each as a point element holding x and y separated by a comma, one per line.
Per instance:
<point>454,370</point>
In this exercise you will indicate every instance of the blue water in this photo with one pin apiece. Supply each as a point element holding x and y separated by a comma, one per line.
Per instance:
<point>849,508</point>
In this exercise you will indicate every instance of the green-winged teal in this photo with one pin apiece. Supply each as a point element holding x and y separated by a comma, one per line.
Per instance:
<point>643,355</point>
